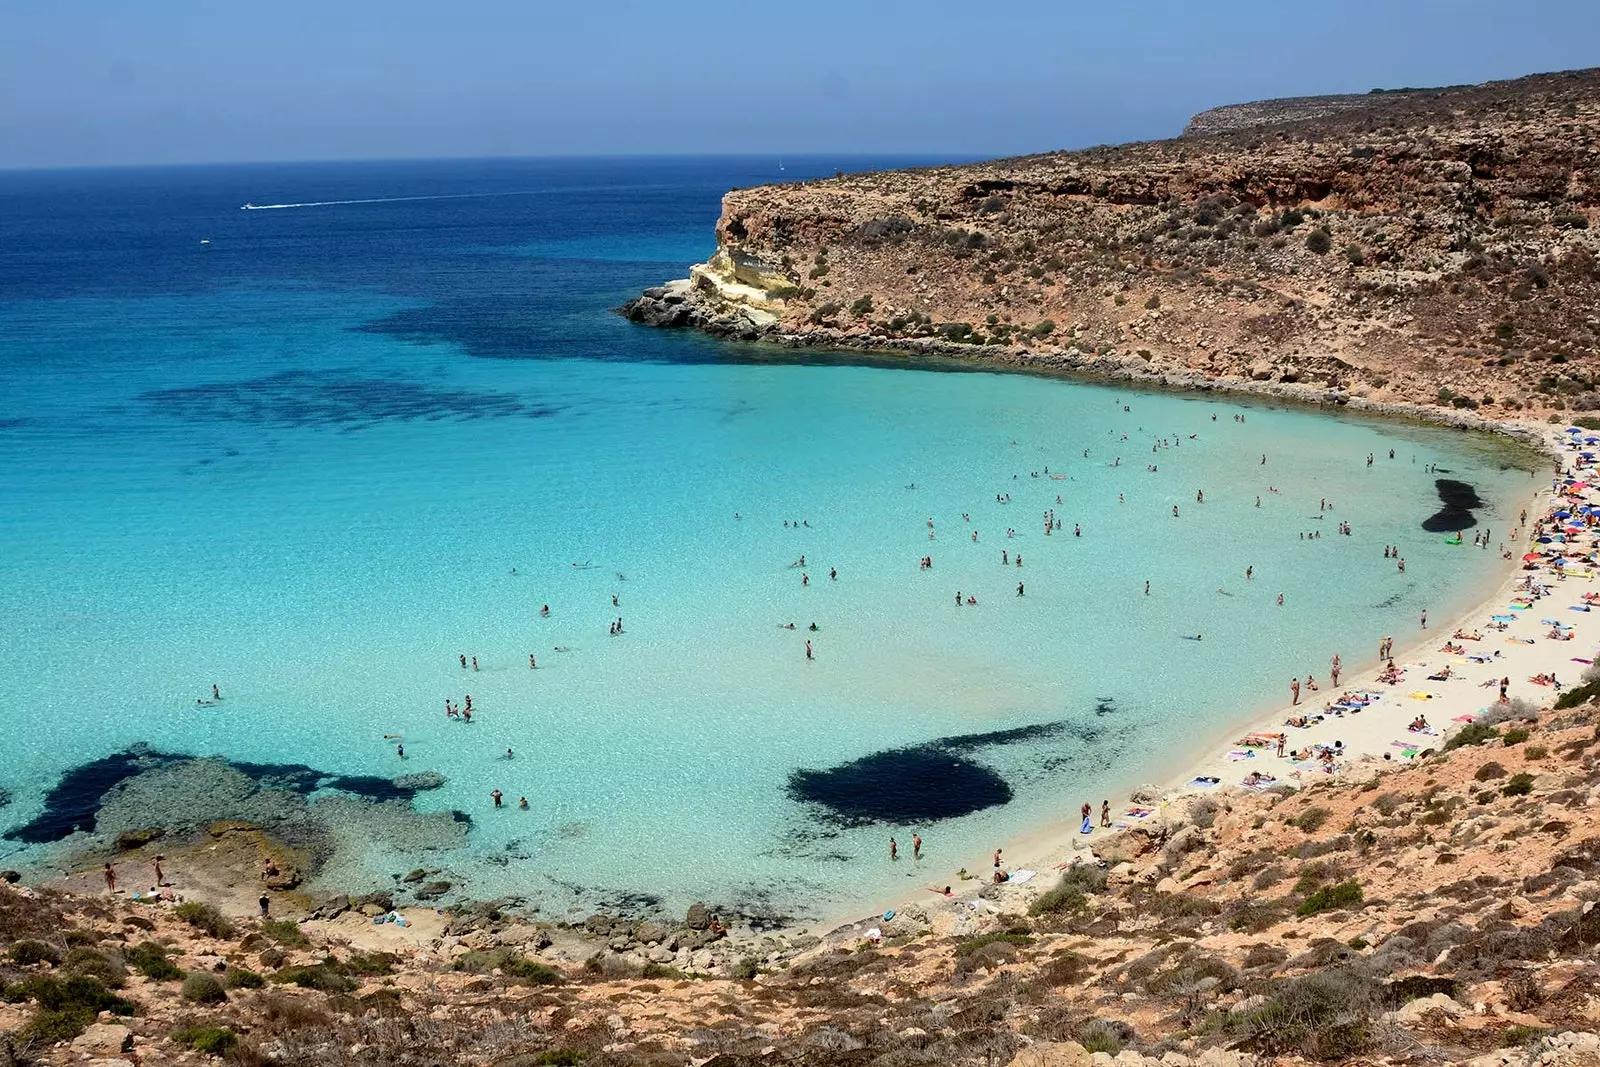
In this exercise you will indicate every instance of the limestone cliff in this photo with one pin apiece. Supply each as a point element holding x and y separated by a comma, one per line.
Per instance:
<point>1422,246</point>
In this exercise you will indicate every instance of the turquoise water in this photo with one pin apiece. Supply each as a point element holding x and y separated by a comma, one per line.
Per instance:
<point>320,458</point>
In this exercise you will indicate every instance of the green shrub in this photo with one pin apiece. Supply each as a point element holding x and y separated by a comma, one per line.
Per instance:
<point>560,1057</point>
<point>202,988</point>
<point>96,965</point>
<point>862,306</point>
<point>967,948</point>
<point>1332,897</point>
<point>1045,327</point>
<point>1153,303</point>
<point>1386,804</point>
<point>1536,752</point>
<point>1582,694</point>
<point>377,964</point>
<point>204,917</point>
<point>242,978</point>
<point>1520,785</point>
<point>1319,241</point>
<point>285,932</point>
<point>315,976</point>
<point>661,970</point>
<point>1522,1035</point>
<point>1474,733</point>
<point>1485,797</point>
<point>212,1040</point>
<point>1355,255</point>
<point>27,952</point>
<point>65,1006</point>
<point>1311,820</point>
<point>745,969</point>
<point>1065,896</point>
<point>1098,1037</point>
<point>524,971</point>
<point>149,958</point>
<point>1571,222</point>
<point>1325,1015</point>
<point>1515,737</point>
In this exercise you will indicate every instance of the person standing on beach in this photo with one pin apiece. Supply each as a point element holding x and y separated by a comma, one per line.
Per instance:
<point>160,877</point>
<point>997,859</point>
<point>1294,690</point>
<point>1424,618</point>
<point>111,877</point>
<point>916,846</point>
<point>1335,666</point>
<point>1283,741</point>
<point>894,850</point>
<point>1105,813</point>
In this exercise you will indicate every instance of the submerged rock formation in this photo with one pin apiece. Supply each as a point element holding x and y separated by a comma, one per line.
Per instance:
<point>1425,247</point>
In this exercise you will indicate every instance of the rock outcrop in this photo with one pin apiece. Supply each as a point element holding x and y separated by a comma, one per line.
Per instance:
<point>1417,247</point>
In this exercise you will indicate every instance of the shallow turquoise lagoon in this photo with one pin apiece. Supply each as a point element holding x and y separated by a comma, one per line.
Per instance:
<point>317,462</point>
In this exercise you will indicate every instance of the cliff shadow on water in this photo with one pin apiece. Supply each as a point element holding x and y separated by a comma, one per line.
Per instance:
<point>1457,502</point>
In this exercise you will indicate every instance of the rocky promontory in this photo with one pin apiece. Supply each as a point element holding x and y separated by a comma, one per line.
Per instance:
<point>1417,247</point>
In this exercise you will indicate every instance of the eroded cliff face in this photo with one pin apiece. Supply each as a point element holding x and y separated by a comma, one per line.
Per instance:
<point>1430,246</point>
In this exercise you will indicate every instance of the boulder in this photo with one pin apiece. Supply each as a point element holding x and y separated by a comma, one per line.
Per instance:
<point>128,840</point>
<point>433,890</point>
<point>649,932</point>
<point>698,918</point>
<point>103,1039</point>
<point>1052,1054</point>
<point>420,781</point>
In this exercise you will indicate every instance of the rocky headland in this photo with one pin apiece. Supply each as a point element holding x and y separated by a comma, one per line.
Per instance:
<point>1427,251</point>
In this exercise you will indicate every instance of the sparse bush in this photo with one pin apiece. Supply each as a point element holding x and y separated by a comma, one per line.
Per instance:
<point>149,958</point>
<point>204,917</point>
<point>1064,897</point>
<point>202,988</point>
<point>1098,1037</point>
<point>28,951</point>
<point>1153,303</point>
<point>1311,820</point>
<point>862,305</point>
<point>1474,733</point>
<point>211,1040</point>
<point>1489,771</point>
<point>1332,897</point>
<point>1519,785</point>
<point>661,970</point>
<point>316,976</point>
<point>285,932</point>
<point>1326,1015</point>
<point>1355,255</point>
<point>1485,797</point>
<point>1536,752</point>
<point>524,971</point>
<point>64,1006</point>
<point>1386,804</point>
<point>96,965</point>
<point>242,978</point>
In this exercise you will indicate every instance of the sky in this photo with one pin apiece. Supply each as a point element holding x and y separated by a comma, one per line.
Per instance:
<point>113,82</point>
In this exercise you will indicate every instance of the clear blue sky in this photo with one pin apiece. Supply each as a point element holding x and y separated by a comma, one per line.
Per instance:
<point>160,81</point>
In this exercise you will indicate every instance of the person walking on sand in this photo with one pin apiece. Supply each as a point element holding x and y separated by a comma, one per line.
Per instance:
<point>1294,690</point>
<point>111,877</point>
<point>916,846</point>
<point>894,850</point>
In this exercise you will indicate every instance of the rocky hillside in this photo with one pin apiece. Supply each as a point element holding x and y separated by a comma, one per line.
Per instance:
<point>1438,913</point>
<point>1416,247</point>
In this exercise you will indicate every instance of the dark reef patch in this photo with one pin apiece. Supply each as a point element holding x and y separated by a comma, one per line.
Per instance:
<point>73,803</point>
<point>1457,502</point>
<point>299,398</point>
<point>902,785</point>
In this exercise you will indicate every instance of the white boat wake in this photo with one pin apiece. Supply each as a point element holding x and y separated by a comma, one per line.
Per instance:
<point>382,200</point>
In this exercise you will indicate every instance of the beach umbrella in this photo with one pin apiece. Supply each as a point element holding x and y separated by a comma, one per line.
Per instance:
<point>1591,440</point>
<point>1531,556</point>
<point>1562,514</point>
<point>1574,429</point>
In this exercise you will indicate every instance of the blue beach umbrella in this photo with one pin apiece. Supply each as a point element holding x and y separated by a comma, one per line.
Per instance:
<point>1563,514</point>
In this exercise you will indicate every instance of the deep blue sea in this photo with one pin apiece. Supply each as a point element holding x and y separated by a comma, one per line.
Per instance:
<point>315,454</point>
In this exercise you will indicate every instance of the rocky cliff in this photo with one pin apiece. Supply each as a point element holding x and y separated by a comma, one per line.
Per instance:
<point>1428,247</point>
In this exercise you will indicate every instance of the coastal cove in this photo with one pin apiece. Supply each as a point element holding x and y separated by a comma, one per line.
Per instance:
<point>318,489</point>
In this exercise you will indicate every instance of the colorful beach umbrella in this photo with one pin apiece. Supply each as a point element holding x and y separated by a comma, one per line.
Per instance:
<point>1531,556</point>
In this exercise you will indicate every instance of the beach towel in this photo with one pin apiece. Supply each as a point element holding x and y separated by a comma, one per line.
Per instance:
<point>1503,618</point>
<point>1420,695</point>
<point>1580,659</point>
<point>1239,754</point>
<point>1022,875</point>
<point>1088,827</point>
<point>1463,718</point>
<point>1205,781</point>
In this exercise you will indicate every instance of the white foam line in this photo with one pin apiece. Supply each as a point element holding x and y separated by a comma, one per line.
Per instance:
<point>381,200</point>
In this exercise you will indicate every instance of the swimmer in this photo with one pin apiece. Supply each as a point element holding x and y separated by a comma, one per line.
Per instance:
<point>216,694</point>
<point>522,802</point>
<point>496,794</point>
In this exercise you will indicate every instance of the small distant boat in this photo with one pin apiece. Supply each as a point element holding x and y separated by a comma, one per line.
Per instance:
<point>205,240</point>
<point>249,207</point>
<point>780,164</point>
